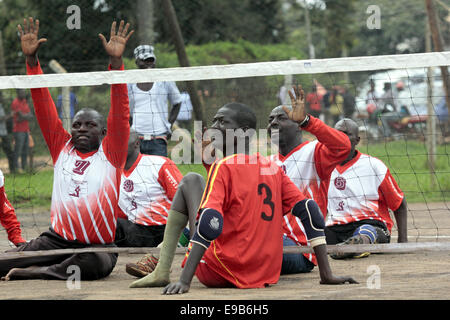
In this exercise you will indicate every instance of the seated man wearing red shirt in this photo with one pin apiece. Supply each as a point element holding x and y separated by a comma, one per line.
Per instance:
<point>8,217</point>
<point>148,185</point>
<point>308,164</point>
<point>238,236</point>
<point>360,194</point>
<point>88,163</point>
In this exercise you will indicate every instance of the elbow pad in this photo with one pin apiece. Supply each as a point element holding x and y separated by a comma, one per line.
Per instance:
<point>209,227</point>
<point>309,213</point>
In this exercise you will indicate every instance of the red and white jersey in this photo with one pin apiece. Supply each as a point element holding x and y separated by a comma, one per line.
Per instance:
<point>8,218</point>
<point>85,185</point>
<point>147,189</point>
<point>309,166</point>
<point>362,189</point>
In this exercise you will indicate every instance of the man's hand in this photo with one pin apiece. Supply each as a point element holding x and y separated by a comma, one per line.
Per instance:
<point>298,112</point>
<point>29,39</point>
<point>338,280</point>
<point>199,135</point>
<point>176,288</point>
<point>117,41</point>
<point>326,275</point>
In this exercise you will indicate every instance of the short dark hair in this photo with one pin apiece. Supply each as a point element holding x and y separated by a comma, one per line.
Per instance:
<point>98,115</point>
<point>244,115</point>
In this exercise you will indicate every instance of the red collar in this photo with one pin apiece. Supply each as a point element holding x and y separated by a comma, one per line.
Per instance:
<point>342,169</point>
<point>85,155</point>
<point>301,145</point>
<point>130,171</point>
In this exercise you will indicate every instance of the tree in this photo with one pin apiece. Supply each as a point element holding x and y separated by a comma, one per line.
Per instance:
<point>204,21</point>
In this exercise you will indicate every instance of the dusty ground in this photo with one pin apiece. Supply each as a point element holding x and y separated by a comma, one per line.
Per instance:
<point>409,276</point>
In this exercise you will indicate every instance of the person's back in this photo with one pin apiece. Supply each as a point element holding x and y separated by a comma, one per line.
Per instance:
<point>249,251</point>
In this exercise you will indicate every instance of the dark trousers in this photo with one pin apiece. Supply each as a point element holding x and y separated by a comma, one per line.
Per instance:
<point>129,234</point>
<point>156,147</point>
<point>20,149</point>
<point>92,266</point>
<point>341,232</point>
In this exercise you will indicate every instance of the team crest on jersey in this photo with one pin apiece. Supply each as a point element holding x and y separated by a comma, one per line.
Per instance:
<point>340,183</point>
<point>81,166</point>
<point>128,185</point>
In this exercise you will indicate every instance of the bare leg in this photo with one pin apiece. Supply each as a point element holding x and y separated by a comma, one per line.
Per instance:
<point>188,196</point>
<point>33,272</point>
<point>184,207</point>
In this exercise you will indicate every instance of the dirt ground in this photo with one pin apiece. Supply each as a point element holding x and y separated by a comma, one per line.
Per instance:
<point>407,276</point>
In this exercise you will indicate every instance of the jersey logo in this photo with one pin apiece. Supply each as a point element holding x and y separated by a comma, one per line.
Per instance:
<point>133,205</point>
<point>340,206</point>
<point>284,168</point>
<point>128,185</point>
<point>340,183</point>
<point>76,192</point>
<point>81,166</point>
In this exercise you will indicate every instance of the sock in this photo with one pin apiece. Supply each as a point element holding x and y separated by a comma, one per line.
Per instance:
<point>367,230</point>
<point>160,277</point>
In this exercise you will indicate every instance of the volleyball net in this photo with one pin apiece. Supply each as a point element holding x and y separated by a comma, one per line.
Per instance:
<point>398,101</point>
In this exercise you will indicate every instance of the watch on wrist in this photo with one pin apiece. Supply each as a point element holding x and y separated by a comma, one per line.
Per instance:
<point>305,121</point>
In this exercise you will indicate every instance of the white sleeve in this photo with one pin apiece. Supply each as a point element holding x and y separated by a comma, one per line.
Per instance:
<point>173,93</point>
<point>2,179</point>
<point>130,98</point>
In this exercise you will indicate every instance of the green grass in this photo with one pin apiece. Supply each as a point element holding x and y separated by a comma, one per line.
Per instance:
<point>32,190</point>
<point>406,160</point>
<point>408,163</point>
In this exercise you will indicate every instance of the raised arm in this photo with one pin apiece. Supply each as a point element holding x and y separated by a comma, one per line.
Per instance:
<point>335,145</point>
<point>51,126</point>
<point>115,143</point>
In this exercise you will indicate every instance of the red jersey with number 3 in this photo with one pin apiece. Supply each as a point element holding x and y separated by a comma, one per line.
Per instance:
<point>253,194</point>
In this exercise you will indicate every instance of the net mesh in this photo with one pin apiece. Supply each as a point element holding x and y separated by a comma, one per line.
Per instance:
<point>412,143</point>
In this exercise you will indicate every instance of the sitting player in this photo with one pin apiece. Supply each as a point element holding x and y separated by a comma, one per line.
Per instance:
<point>87,163</point>
<point>8,217</point>
<point>239,235</point>
<point>360,194</point>
<point>147,187</point>
<point>308,164</point>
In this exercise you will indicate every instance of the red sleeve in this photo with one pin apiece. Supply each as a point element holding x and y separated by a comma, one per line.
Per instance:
<point>390,192</point>
<point>51,126</point>
<point>8,219</point>
<point>291,194</point>
<point>333,147</point>
<point>169,177</point>
<point>115,144</point>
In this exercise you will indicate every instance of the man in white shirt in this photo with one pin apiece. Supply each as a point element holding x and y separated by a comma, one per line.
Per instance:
<point>149,113</point>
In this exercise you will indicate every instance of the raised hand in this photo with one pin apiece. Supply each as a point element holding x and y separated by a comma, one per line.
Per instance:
<point>298,112</point>
<point>29,37</point>
<point>117,40</point>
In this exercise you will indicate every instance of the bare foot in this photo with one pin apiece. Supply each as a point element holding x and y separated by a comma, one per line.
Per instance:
<point>32,272</point>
